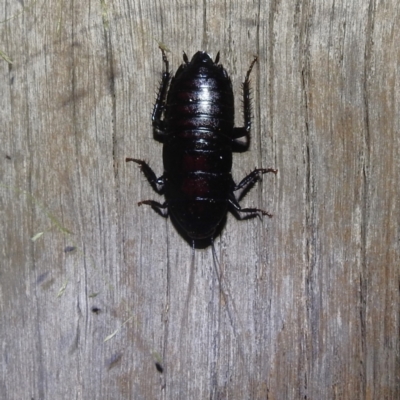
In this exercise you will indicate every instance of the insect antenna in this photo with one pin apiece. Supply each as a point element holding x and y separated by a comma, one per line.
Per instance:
<point>185,315</point>
<point>230,308</point>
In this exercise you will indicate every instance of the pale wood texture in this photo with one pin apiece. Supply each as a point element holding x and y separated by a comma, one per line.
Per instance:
<point>310,302</point>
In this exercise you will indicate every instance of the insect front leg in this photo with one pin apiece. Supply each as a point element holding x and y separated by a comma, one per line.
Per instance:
<point>245,130</point>
<point>159,106</point>
<point>157,184</point>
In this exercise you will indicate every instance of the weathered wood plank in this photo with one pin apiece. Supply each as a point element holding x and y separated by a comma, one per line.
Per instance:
<point>310,305</point>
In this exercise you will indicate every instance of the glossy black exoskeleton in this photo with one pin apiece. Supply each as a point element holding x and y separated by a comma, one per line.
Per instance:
<point>194,119</point>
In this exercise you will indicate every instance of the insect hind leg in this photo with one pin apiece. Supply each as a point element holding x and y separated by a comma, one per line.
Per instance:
<point>251,212</point>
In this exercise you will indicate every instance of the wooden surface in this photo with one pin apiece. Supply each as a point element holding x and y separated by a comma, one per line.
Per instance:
<point>310,301</point>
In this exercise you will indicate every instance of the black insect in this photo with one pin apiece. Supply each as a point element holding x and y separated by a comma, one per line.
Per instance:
<point>194,119</point>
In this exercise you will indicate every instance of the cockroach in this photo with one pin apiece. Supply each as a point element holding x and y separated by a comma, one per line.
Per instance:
<point>194,119</point>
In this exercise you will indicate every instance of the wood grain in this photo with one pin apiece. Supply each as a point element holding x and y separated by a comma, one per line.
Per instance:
<point>310,299</point>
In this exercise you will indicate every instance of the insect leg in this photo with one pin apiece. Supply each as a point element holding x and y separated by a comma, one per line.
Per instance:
<point>252,212</point>
<point>252,178</point>
<point>160,209</point>
<point>247,99</point>
<point>246,184</point>
<point>156,183</point>
<point>158,122</point>
<point>245,131</point>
